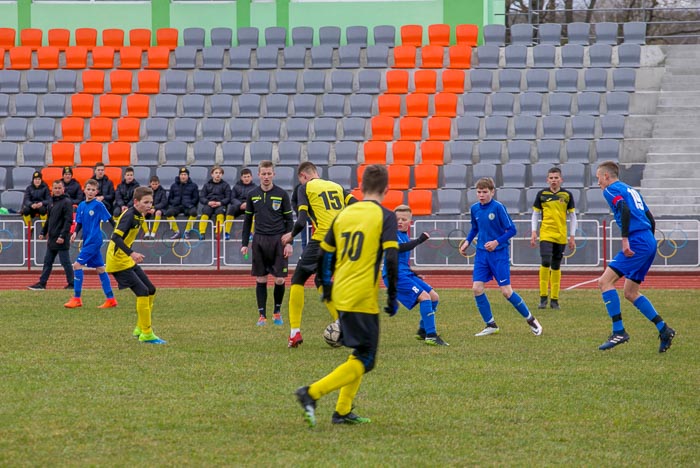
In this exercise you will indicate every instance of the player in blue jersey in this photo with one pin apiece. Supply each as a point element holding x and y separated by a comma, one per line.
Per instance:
<point>410,288</point>
<point>91,213</point>
<point>493,229</point>
<point>637,228</point>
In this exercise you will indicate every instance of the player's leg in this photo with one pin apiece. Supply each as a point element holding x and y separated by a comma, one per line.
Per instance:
<point>545,272</point>
<point>219,213</point>
<point>206,214</point>
<point>64,258</point>
<point>606,283</point>
<point>49,257</point>
<point>191,214</point>
<point>481,275</point>
<point>157,215</point>
<point>170,215</point>
<point>144,306</point>
<point>110,300</point>
<point>306,266</point>
<point>555,275</point>
<point>261,298</point>
<point>78,276</point>
<point>27,214</point>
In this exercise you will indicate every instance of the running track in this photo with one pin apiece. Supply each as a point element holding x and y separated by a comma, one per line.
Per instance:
<point>17,280</point>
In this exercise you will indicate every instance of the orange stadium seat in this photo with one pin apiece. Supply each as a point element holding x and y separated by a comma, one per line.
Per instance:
<point>167,37</point>
<point>8,38</point>
<point>90,153</point>
<point>72,129</point>
<point>432,152</point>
<point>62,154</point>
<point>83,174</point>
<point>404,152</point>
<point>417,105</point>
<point>113,37</point>
<point>439,128</point>
<point>445,105</point>
<point>47,57</point>
<point>76,57</point>
<point>393,199</point>
<point>31,37</point>
<point>158,57</point>
<point>453,81</point>
<point>425,176</point>
<point>130,57</point>
<point>82,105</point>
<point>360,171</point>
<point>389,104</point>
<point>382,128</point>
<point>128,129</point>
<point>425,81</point>
<point>140,38</point>
<point>405,56</point>
<point>21,58</point>
<point>111,105</point>
<point>411,128</point>
<point>412,34</point>
<point>357,193</point>
<point>421,202</point>
<point>103,57</point>
<point>59,37</point>
<point>137,105</point>
<point>375,152</point>
<point>467,34</point>
<point>86,37</point>
<point>93,81</point>
<point>100,129</point>
<point>460,56</point>
<point>120,81</point>
<point>115,173</point>
<point>2,58</point>
<point>149,82</point>
<point>119,153</point>
<point>432,56</point>
<point>49,174</point>
<point>439,34</point>
<point>399,177</point>
<point>397,81</point>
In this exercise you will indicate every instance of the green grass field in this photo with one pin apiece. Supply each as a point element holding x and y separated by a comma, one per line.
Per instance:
<point>78,390</point>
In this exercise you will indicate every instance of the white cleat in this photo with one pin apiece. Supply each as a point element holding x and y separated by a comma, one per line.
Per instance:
<point>488,331</point>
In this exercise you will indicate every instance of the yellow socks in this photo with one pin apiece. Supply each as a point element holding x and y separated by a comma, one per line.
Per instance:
<point>331,307</point>
<point>143,313</point>
<point>203,223</point>
<point>296,305</point>
<point>544,280</point>
<point>229,224</point>
<point>555,279</point>
<point>346,377</point>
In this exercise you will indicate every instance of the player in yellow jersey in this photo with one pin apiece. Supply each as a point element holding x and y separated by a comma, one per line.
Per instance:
<point>352,251</point>
<point>123,263</point>
<point>320,201</point>
<point>552,206</point>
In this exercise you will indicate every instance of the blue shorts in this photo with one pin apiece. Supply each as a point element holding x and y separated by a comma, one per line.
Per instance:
<point>408,288</point>
<point>490,265</point>
<point>90,258</point>
<point>635,268</point>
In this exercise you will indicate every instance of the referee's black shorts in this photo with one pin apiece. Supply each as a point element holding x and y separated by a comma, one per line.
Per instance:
<point>268,256</point>
<point>308,262</point>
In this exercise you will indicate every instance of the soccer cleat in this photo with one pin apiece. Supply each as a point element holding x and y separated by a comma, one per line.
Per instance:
<point>74,303</point>
<point>543,302</point>
<point>350,418</point>
<point>108,304</point>
<point>614,340</point>
<point>150,338</point>
<point>308,404</point>
<point>666,337</point>
<point>227,236</point>
<point>277,319</point>
<point>262,321</point>
<point>435,341</point>
<point>68,286</point>
<point>535,326</point>
<point>295,341</point>
<point>176,235</point>
<point>554,304</point>
<point>420,334</point>
<point>37,287</point>
<point>489,330</point>
<point>136,333</point>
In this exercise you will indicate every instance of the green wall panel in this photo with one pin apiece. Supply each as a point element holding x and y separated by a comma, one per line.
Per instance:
<point>263,15</point>
<point>191,15</point>
<point>8,15</point>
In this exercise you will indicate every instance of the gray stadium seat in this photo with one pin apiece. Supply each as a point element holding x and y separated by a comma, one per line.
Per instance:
<point>147,153</point>
<point>605,33</point>
<point>461,152</point>
<point>377,56</point>
<point>553,127</point>
<point>548,151</point>
<point>349,56</point>
<point>277,105</point>
<point>537,80</point>
<point>175,153</point>
<point>474,104</point>
<point>185,58</point>
<point>241,129</point>
<point>8,154</point>
<point>329,35</point>
<point>346,152</point>
<point>468,127</point>
<point>588,103</point>
<point>15,129</point>
<point>240,58</point>
<point>165,105</point>
<point>550,33</point>
<point>260,151</point>
<point>502,104</point>
<point>361,105</point>
<point>484,170</point>
<point>294,57</point>
<point>572,56</point>
<point>494,34</point>
<point>144,173</point>
<point>514,174</point>
<point>624,79</point>
<point>314,81</point>
<point>204,153</point>
<point>369,81</point>
<point>221,37</point>
<point>629,55</point>
<point>259,82</point>
<point>531,104</point>
<point>286,81</point>
<point>34,153</point>
<point>26,105</point>
<point>286,177</point>
<point>578,151</point>
<point>487,56</point>
<point>607,150</point>
<point>276,36</point>
<point>213,58</point>
<point>574,174</point>
<point>595,79</point>
<point>341,175</point>
<point>233,152</point>
<point>221,105</point>
<point>3,178</point>
<point>321,56</point>
<point>543,56</point>
<point>304,105</point>
<point>289,152</point>
<point>193,37</point>
<point>354,129</point>
<point>521,34</point>
<point>54,105</point>
<point>318,152</point>
<point>64,81</point>
<point>341,81</point>
<point>298,129</point>
<point>199,175</point>
<point>595,202</point>
<point>186,129</point>
<point>560,104</point>
<point>509,80</point>
<point>4,105</point>
<point>519,151</point>
<point>579,33</point>
<point>21,177</point>
<point>356,35</point>
<point>12,199</point>
<point>213,129</point>
<point>175,82</point>
<point>539,171</point>
<point>231,82</point>
<point>566,80</point>
<point>634,32</point>
<point>193,106</point>
<point>37,81</point>
<point>267,57</point>
<point>451,202</point>
<point>489,152</point>
<point>44,129</point>
<point>617,103</point>
<point>248,37</point>
<point>303,36</point>
<point>481,80</point>
<point>600,55</point>
<point>384,35</point>
<point>333,105</point>
<point>269,129</point>
<point>454,176</point>
<point>168,174</point>
<point>10,81</point>
<point>612,126</point>
<point>525,127</point>
<point>516,56</point>
<point>249,105</point>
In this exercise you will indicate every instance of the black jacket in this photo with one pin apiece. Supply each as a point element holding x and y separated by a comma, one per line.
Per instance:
<point>125,194</point>
<point>240,193</point>
<point>212,191</point>
<point>160,199</point>
<point>74,191</point>
<point>58,222</point>
<point>34,194</point>
<point>105,188</point>
<point>186,195</point>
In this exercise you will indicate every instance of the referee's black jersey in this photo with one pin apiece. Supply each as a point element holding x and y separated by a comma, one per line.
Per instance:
<point>272,211</point>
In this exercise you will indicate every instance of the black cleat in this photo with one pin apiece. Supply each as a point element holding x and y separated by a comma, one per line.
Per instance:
<point>554,304</point>
<point>308,404</point>
<point>543,302</point>
<point>350,418</point>
<point>37,287</point>
<point>666,338</point>
<point>435,341</point>
<point>420,334</point>
<point>614,340</point>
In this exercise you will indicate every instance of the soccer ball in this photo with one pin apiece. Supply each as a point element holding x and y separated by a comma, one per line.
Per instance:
<point>332,335</point>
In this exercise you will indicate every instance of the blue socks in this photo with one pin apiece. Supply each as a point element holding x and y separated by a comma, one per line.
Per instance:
<point>427,316</point>
<point>612,304</point>
<point>106,285</point>
<point>78,276</point>
<point>519,305</point>
<point>482,303</point>
<point>647,309</point>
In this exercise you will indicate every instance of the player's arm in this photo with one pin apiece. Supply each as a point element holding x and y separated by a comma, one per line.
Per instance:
<point>573,223</point>
<point>120,232</point>
<point>534,224</point>
<point>473,232</point>
<point>390,245</point>
<point>67,221</point>
<point>413,243</point>
<point>349,197</point>
<point>651,219</point>
<point>510,230</point>
<point>302,210</point>
<point>287,212</point>
<point>247,223</point>
<point>326,264</point>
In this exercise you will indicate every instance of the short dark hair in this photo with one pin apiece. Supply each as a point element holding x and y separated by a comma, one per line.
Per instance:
<point>99,164</point>
<point>553,170</point>
<point>375,179</point>
<point>611,167</point>
<point>92,182</point>
<point>142,191</point>
<point>265,164</point>
<point>245,171</point>
<point>486,183</point>
<point>59,181</point>
<point>215,167</point>
<point>307,167</point>
<point>128,169</point>
<point>154,178</point>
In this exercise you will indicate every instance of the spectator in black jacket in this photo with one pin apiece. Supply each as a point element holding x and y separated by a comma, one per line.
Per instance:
<point>105,187</point>
<point>36,200</point>
<point>160,203</point>
<point>215,197</point>
<point>239,195</point>
<point>57,228</point>
<point>72,187</point>
<point>183,198</point>
<point>124,198</point>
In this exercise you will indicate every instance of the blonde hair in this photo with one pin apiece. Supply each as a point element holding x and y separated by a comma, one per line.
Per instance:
<point>403,209</point>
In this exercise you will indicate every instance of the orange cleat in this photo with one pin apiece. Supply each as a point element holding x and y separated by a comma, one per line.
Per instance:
<point>74,303</point>
<point>108,304</point>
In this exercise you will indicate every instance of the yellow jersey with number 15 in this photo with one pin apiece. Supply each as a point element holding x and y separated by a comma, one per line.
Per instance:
<point>322,200</point>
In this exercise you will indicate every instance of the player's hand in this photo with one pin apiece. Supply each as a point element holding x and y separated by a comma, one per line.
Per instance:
<point>244,251</point>
<point>326,294</point>
<point>533,240</point>
<point>491,245</point>
<point>572,243</point>
<point>463,247</point>
<point>41,237</point>
<point>72,237</point>
<point>286,238</point>
<point>60,240</point>
<point>288,250</point>
<point>392,306</point>
<point>137,257</point>
<point>626,247</point>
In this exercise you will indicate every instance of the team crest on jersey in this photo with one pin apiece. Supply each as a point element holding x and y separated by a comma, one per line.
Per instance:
<point>492,216</point>
<point>91,213</point>
<point>276,203</point>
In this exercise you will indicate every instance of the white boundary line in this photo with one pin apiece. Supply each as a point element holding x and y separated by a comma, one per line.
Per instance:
<point>580,284</point>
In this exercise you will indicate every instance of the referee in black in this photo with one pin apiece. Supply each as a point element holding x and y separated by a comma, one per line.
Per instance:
<point>271,208</point>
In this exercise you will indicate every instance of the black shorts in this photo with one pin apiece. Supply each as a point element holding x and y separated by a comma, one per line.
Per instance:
<point>307,264</point>
<point>361,332</point>
<point>556,251</point>
<point>135,279</point>
<point>209,211</point>
<point>176,210</point>
<point>268,256</point>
